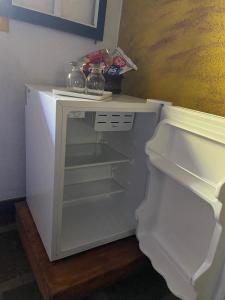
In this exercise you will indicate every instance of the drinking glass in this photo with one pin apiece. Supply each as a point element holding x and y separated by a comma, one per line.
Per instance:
<point>95,80</point>
<point>76,80</point>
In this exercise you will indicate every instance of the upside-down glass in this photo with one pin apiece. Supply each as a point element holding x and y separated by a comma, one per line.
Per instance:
<point>76,80</point>
<point>95,80</point>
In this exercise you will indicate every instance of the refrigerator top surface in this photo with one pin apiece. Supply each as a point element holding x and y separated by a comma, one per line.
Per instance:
<point>116,102</point>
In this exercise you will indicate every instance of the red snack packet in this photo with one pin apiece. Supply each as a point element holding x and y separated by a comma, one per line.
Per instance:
<point>100,57</point>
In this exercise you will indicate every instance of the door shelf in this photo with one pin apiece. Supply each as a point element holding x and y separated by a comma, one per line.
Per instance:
<point>86,155</point>
<point>91,189</point>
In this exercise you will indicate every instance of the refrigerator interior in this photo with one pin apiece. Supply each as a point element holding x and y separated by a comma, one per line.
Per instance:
<point>105,177</point>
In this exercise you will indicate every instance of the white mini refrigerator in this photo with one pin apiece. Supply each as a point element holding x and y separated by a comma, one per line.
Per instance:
<point>101,171</point>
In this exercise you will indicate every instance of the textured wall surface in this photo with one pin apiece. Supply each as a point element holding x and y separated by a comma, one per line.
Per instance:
<point>179,46</point>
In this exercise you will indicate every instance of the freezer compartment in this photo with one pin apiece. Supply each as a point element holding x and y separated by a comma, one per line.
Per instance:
<point>95,221</point>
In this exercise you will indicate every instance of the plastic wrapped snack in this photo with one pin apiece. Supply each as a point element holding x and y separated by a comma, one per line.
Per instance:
<point>113,70</point>
<point>100,57</point>
<point>122,61</point>
<point>117,63</point>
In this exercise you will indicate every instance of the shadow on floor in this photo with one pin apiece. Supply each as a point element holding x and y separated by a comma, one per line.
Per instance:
<point>141,286</point>
<point>17,282</point>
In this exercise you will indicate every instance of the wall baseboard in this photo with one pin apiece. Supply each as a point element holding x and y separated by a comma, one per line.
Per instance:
<point>7,211</point>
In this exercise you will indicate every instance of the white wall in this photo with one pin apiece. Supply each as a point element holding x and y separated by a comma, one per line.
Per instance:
<point>35,54</point>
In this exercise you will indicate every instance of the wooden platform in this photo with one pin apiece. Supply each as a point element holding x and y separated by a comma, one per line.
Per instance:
<point>79,275</point>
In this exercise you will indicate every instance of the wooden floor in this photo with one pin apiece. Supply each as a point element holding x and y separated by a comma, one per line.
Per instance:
<point>77,276</point>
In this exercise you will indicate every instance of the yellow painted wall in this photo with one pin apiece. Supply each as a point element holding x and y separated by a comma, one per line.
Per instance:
<point>179,47</point>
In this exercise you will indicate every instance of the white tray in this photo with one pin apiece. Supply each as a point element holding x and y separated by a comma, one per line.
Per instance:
<point>68,93</point>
